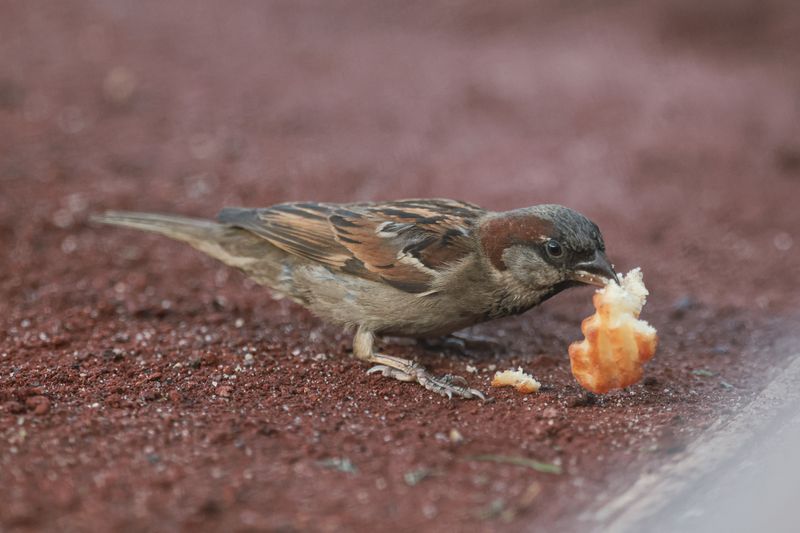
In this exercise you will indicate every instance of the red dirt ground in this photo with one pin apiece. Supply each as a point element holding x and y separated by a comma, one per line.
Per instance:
<point>145,387</point>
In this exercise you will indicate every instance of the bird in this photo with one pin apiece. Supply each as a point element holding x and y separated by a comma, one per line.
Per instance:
<point>416,268</point>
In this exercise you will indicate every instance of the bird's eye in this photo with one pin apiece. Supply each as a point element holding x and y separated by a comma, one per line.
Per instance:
<point>554,248</point>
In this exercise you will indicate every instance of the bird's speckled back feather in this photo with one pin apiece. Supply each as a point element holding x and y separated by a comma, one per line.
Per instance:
<point>403,243</point>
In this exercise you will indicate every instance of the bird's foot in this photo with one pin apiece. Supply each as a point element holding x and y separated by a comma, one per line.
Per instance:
<point>405,370</point>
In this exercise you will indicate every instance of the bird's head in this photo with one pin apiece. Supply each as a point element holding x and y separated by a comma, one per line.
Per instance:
<point>546,248</point>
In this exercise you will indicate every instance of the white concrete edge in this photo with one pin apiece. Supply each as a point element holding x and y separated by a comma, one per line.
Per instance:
<point>720,443</point>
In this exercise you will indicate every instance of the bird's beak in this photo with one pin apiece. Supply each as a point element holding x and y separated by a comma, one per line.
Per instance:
<point>595,272</point>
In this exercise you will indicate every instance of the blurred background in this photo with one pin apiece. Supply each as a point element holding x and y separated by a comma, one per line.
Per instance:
<point>675,125</point>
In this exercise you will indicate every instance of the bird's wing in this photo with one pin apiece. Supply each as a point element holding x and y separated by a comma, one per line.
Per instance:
<point>404,243</point>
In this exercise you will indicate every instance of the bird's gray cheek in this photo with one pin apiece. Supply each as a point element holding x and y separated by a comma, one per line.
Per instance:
<point>546,275</point>
<point>553,277</point>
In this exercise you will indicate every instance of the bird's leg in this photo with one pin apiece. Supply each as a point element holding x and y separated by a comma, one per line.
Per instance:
<point>405,370</point>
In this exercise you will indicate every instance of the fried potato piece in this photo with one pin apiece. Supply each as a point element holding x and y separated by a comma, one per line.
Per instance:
<point>617,343</point>
<point>524,383</point>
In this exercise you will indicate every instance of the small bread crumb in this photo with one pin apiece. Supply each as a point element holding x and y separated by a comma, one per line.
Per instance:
<point>524,383</point>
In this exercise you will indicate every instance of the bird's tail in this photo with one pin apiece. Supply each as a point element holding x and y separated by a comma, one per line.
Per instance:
<point>233,246</point>
<point>191,230</point>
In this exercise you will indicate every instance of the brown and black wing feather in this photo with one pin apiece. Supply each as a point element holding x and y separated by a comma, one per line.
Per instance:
<point>404,243</point>
<point>301,229</point>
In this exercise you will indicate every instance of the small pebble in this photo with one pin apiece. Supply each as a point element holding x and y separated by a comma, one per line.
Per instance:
<point>455,436</point>
<point>39,404</point>
<point>584,400</point>
<point>149,395</point>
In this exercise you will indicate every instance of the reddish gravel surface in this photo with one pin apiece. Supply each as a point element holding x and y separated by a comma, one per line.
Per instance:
<point>144,386</point>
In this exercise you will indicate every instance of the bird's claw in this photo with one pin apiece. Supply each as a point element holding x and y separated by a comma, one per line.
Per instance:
<point>451,379</point>
<point>447,385</point>
<point>390,372</point>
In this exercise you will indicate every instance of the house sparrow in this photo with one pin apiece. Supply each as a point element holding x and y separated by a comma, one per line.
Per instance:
<point>414,268</point>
